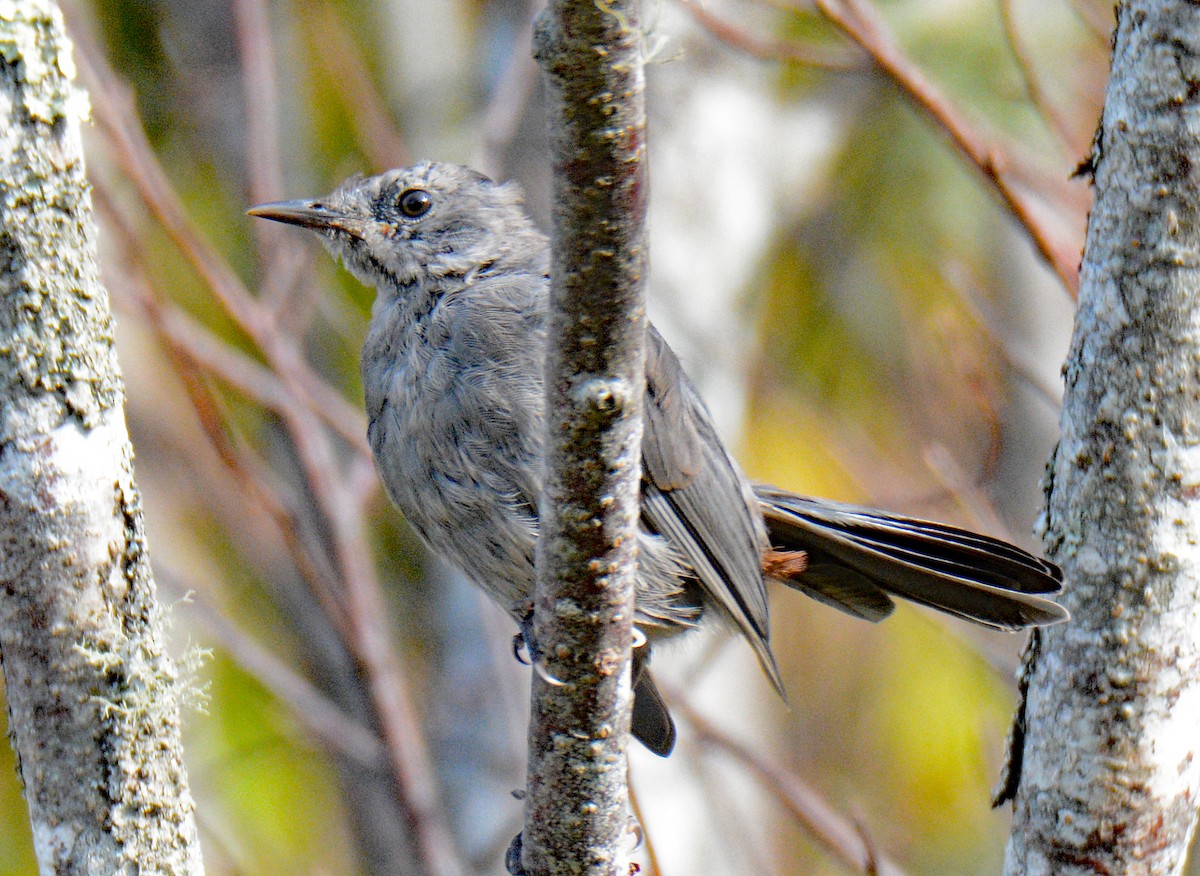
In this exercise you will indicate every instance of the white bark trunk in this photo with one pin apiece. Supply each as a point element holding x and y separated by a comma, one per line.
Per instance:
<point>1108,772</point>
<point>93,702</point>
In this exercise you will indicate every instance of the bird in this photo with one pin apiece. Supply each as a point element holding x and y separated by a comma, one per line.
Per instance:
<point>454,398</point>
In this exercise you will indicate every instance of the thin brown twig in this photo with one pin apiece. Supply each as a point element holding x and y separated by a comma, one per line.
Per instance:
<point>117,116</point>
<point>834,832</point>
<point>652,866</point>
<point>980,512</point>
<point>1098,18</point>
<point>967,287</point>
<point>264,169</point>
<point>249,472</point>
<point>736,827</point>
<point>340,57</point>
<point>199,346</point>
<point>501,118</point>
<point>953,367</point>
<point>1032,79</point>
<point>312,710</point>
<point>768,49</point>
<point>362,480</point>
<point>868,841</point>
<point>281,256</point>
<point>861,23</point>
<point>387,683</point>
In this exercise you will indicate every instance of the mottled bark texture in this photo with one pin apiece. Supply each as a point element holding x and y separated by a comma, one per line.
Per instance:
<point>576,815</point>
<point>93,702</point>
<point>1107,766</point>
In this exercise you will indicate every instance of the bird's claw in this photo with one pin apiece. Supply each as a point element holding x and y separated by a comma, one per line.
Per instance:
<point>525,640</point>
<point>518,644</point>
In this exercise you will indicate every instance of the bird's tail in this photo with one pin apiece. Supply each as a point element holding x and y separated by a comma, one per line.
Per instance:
<point>858,558</point>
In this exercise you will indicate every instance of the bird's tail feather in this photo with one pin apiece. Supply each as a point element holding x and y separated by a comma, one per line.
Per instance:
<point>858,558</point>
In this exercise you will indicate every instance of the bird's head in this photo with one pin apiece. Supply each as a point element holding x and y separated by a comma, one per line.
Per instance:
<point>425,222</point>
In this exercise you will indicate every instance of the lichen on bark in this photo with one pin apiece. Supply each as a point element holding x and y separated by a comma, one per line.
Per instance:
<point>93,699</point>
<point>1107,772</point>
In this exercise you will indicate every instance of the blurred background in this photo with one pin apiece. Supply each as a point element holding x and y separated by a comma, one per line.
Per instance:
<point>864,237</point>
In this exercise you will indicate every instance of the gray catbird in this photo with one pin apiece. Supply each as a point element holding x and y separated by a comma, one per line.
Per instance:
<point>452,372</point>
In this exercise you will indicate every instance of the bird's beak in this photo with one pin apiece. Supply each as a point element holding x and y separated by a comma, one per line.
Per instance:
<point>309,214</point>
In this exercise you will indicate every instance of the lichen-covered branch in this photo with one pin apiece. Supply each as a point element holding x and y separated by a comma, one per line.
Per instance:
<point>576,813</point>
<point>1106,772</point>
<point>93,701</point>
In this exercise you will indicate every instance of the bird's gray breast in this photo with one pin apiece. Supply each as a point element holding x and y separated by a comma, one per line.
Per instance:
<point>454,399</point>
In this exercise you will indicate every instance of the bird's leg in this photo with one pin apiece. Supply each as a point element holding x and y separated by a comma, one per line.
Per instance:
<point>525,639</point>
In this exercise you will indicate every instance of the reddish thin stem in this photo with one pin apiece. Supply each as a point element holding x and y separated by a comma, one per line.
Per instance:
<point>837,834</point>
<point>282,256</point>
<point>861,23</point>
<point>768,49</point>
<point>1050,114</point>
<point>340,58</point>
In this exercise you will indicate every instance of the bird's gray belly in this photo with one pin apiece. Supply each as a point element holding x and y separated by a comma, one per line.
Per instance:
<point>458,459</point>
<point>459,451</point>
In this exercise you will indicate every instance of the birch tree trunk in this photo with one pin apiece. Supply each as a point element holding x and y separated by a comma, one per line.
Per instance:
<point>1106,778</point>
<point>93,701</point>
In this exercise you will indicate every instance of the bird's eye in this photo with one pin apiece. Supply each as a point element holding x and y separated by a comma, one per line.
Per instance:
<point>415,202</point>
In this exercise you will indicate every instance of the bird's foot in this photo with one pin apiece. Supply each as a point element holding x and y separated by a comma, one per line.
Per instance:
<point>526,641</point>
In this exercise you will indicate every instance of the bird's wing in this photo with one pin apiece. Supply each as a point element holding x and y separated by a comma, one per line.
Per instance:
<point>696,497</point>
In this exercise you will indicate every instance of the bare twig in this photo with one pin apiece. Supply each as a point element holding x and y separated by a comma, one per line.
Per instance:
<point>652,865</point>
<point>768,49</point>
<point>1097,17</point>
<point>118,117</point>
<point>868,841</point>
<point>1022,363</point>
<point>834,832</point>
<point>283,258</point>
<point>980,512</point>
<point>192,349</point>
<point>1050,114</point>
<point>261,92</point>
<point>861,23</point>
<point>340,57</point>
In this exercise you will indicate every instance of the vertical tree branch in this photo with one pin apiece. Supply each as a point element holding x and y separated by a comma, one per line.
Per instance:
<point>577,814</point>
<point>1107,778</point>
<point>93,699</point>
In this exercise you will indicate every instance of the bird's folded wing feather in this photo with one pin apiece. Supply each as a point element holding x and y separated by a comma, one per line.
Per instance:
<point>694,495</point>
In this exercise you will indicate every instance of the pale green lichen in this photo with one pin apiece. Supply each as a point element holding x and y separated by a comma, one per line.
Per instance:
<point>121,795</point>
<point>31,33</point>
<point>58,344</point>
